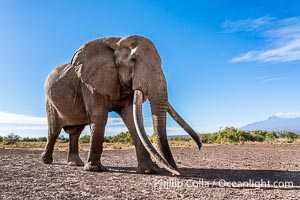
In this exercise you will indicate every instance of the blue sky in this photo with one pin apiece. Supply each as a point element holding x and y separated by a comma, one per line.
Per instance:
<point>227,63</point>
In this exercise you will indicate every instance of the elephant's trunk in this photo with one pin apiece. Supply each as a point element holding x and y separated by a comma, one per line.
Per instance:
<point>139,124</point>
<point>159,105</point>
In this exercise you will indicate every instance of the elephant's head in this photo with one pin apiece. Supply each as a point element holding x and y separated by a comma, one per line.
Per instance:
<point>138,70</point>
<point>140,66</point>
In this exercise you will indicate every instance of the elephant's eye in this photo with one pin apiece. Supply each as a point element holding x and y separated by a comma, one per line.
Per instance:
<point>133,60</point>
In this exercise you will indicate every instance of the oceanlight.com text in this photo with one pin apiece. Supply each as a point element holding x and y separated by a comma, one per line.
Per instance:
<point>222,183</point>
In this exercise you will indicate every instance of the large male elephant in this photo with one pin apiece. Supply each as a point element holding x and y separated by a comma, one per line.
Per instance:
<point>104,75</point>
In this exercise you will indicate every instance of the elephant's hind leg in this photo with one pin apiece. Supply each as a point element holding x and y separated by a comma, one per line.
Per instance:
<point>54,128</point>
<point>74,133</point>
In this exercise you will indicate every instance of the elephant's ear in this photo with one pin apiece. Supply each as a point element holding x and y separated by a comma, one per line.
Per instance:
<point>95,65</point>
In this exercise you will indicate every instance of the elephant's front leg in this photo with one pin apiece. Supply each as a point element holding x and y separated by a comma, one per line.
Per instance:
<point>97,126</point>
<point>97,112</point>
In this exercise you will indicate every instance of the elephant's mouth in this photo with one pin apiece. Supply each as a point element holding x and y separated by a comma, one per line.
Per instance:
<point>127,85</point>
<point>139,125</point>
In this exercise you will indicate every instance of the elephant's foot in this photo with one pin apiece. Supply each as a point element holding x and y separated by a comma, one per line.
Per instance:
<point>74,160</point>
<point>46,158</point>
<point>148,167</point>
<point>94,168</point>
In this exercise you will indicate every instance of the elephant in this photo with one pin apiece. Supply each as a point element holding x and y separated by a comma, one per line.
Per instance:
<point>111,74</point>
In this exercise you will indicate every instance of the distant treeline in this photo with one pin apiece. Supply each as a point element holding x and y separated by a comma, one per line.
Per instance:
<point>13,139</point>
<point>229,134</point>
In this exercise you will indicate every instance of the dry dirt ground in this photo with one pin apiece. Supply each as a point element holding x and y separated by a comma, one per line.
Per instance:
<point>249,171</point>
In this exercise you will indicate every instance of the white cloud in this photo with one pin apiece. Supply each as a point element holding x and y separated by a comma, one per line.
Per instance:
<point>245,56</point>
<point>10,118</point>
<point>22,128</point>
<point>282,38</point>
<point>115,122</point>
<point>22,125</point>
<point>248,25</point>
<point>269,79</point>
<point>288,114</point>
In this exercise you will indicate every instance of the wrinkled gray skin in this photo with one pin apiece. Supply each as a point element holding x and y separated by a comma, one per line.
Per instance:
<point>104,75</point>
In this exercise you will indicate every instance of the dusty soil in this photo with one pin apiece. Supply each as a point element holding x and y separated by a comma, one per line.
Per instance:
<point>249,171</point>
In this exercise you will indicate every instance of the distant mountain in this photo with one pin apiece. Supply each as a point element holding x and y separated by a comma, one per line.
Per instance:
<point>275,123</point>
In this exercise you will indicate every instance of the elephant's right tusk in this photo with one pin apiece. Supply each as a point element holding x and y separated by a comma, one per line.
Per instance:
<point>184,125</point>
<point>139,125</point>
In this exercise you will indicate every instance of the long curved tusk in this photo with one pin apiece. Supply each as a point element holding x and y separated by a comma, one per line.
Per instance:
<point>184,125</point>
<point>139,125</point>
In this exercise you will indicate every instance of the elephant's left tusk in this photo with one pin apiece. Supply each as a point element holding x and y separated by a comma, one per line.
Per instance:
<point>184,125</point>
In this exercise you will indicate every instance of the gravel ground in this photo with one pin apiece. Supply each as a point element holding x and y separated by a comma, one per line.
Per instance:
<point>249,171</point>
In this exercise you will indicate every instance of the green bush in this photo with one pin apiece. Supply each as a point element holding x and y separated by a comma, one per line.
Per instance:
<point>180,138</point>
<point>271,135</point>
<point>229,134</point>
<point>208,138</point>
<point>25,139</point>
<point>243,136</point>
<point>62,139</point>
<point>28,139</point>
<point>291,136</point>
<point>1,138</point>
<point>85,139</point>
<point>42,139</point>
<point>152,138</point>
<point>263,133</point>
<point>282,134</point>
<point>121,137</point>
<point>11,139</point>
<point>257,137</point>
